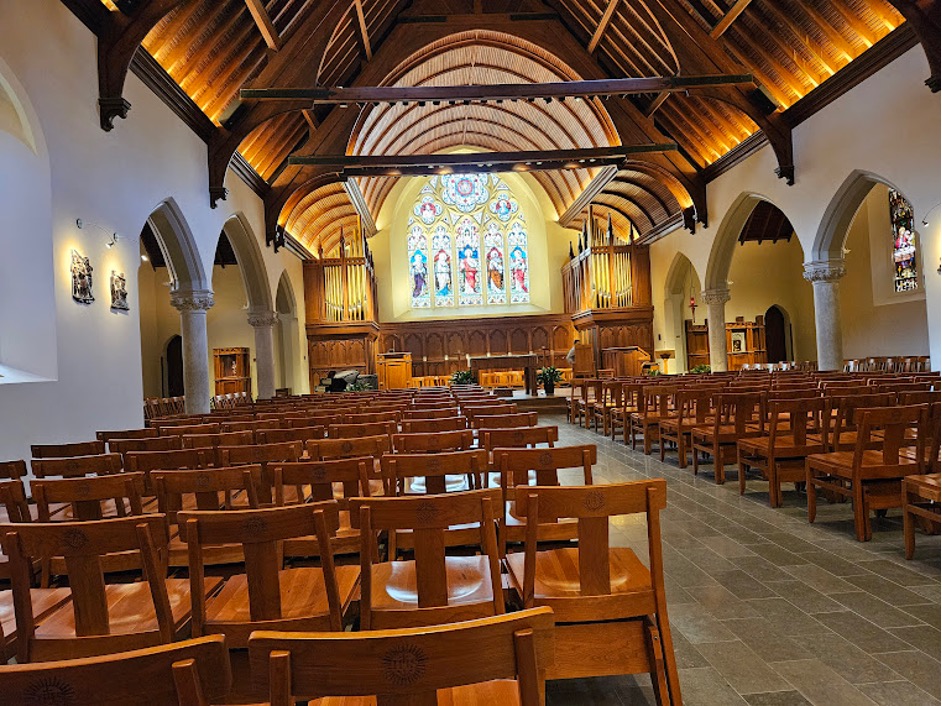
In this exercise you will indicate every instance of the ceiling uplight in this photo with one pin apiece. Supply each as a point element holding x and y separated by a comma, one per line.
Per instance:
<point>144,258</point>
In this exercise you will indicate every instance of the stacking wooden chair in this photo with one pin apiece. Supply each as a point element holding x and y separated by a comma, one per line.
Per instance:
<point>416,426</point>
<point>263,455</point>
<point>189,673</point>
<point>100,619</point>
<point>76,466</point>
<point>280,436</point>
<point>147,462</point>
<point>81,448</point>
<point>543,466</point>
<point>13,469</point>
<point>694,410</point>
<point>214,441</point>
<point>610,609</point>
<point>109,436</point>
<point>515,420</point>
<point>921,502</point>
<point>159,443</point>
<point>738,415</point>
<point>437,411</point>
<point>374,446</point>
<point>779,456</point>
<point>372,417</point>
<point>433,442</point>
<point>631,401</point>
<point>657,405</point>
<point>523,437</point>
<point>356,431</point>
<point>427,665</point>
<point>317,481</point>
<point>871,477</point>
<point>610,397</point>
<point>840,430</point>
<point>267,595</point>
<point>472,412</point>
<point>432,588</point>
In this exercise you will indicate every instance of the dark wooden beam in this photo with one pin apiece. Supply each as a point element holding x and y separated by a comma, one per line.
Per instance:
<point>345,96</point>
<point>603,25</point>
<point>724,24</point>
<point>364,31</point>
<point>924,16</point>
<point>264,23</point>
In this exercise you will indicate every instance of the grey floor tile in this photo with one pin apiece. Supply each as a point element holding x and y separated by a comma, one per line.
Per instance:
<point>705,687</point>
<point>848,660</point>
<point>803,596</point>
<point>888,591</point>
<point>928,613</point>
<point>922,637</point>
<point>785,617</point>
<point>742,668</point>
<point>820,684</point>
<point>766,641</point>
<point>898,573</point>
<point>778,698</point>
<point>897,693</point>
<point>820,578</point>
<point>917,667</point>
<point>695,624</point>
<point>876,611</point>
<point>743,585</point>
<point>861,632</point>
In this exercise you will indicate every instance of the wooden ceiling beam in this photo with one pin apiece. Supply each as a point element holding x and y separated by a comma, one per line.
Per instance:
<point>734,12</point>
<point>344,96</point>
<point>924,16</point>
<point>593,189</point>
<point>264,23</point>
<point>364,31</point>
<point>603,25</point>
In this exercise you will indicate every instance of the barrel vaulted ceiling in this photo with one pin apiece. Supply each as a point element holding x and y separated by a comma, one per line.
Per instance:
<point>213,48</point>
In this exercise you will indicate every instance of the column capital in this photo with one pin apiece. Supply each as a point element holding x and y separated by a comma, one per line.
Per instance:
<point>263,318</point>
<point>824,270</point>
<point>715,296</point>
<point>192,300</point>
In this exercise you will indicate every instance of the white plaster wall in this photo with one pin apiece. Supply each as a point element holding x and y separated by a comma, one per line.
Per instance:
<point>116,180</point>
<point>888,126</point>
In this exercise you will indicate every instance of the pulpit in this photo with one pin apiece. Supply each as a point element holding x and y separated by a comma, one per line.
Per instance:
<point>625,361</point>
<point>527,363</point>
<point>393,370</point>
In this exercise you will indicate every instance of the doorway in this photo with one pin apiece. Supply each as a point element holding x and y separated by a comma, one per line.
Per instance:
<point>175,367</point>
<point>776,335</point>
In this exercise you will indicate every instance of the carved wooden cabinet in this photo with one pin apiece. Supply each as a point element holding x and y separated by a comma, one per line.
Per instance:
<point>232,370</point>
<point>393,370</point>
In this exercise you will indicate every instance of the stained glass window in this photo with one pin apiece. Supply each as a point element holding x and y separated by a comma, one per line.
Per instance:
<point>467,244</point>
<point>905,277</point>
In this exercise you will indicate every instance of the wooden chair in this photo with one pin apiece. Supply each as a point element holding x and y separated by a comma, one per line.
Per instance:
<point>263,455</point>
<point>631,401</point>
<point>779,456</point>
<point>109,436</point>
<point>43,600</point>
<point>326,449</point>
<point>214,441</point>
<point>508,656</point>
<point>655,408</point>
<point>739,415</point>
<point>317,481</point>
<point>416,426</point>
<point>433,442</point>
<point>100,619</point>
<point>77,466</point>
<point>432,588</point>
<point>435,412</point>
<point>871,477</point>
<point>610,397</point>
<point>189,429</point>
<point>522,437</point>
<point>280,436</point>
<point>610,609</point>
<point>543,466</point>
<point>694,410</point>
<point>840,430</point>
<point>921,498</point>
<point>187,673</point>
<point>147,462</point>
<point>13,469</point>
<point>267,595</point>
<point>160,443</point>
<point>372,417</point>
<point>81,448</point>
<point>356,431</point>
<point>506,421</point>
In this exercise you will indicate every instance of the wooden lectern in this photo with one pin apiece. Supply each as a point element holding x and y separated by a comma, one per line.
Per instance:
<point>665,355</point>
<point>584,367</point>
<point>626,362</point>
<point>393,370</point>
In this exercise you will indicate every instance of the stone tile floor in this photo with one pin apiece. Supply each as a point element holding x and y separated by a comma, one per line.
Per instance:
<point>767,609</point>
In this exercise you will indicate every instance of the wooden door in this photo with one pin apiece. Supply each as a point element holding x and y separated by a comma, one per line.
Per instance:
<point>775,335</point>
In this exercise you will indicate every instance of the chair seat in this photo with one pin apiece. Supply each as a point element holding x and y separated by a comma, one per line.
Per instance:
<point>557,579</point>
<point>785,447</point>
<point>841,463</point>
<point>504,692</point>
<point>927,487</point>
<point>345,541</point>
<point>725,434</point>
<point>45,600</point>
<point>303,603</point>
<point>516,527</point>
<point>395,598</point>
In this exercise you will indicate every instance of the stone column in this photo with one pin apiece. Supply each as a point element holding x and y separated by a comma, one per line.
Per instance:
<point>716,319</point>
<point>824,276</point>
<point>264,323</point>
<point>193,305</point>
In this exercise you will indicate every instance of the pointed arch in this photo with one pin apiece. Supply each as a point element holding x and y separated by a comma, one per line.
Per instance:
<point>249,255</point>
<point>178,246</point>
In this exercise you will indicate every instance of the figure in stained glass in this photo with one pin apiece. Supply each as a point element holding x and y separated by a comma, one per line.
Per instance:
<point>427,210</point>
<point>504,206</point>
<point>519,265</point>
<point>905,276</point>
<point>441,246</point>
<point>494,256</point>
<point>418,267</point>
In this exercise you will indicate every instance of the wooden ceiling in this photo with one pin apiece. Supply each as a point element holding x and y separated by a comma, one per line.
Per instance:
<point>212,48</point>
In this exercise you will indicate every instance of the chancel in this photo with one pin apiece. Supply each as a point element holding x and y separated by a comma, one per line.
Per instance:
<point>470,352</point>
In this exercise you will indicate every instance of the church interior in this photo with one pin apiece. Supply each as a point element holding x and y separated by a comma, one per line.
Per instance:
<point>415,352</point>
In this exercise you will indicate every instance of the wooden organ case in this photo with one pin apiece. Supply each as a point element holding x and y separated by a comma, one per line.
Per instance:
<point>607,292</point>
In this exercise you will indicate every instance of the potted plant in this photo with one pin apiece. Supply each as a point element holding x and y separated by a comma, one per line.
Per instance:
<point>549,376</point>
<point>462,377</point>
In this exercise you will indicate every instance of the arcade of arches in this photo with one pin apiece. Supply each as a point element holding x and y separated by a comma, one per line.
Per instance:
<point>264,241</point>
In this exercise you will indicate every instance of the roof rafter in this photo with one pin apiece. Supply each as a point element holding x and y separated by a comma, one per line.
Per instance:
<point>730,17</point>
<point>924,16</point>
<point>264,23</point>
<point>603,25</point>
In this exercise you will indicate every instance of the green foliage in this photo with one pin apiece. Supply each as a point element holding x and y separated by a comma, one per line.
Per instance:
<point>462,377</point>
<point>653,372</point>
<point>357,386</point>
<point>700,368</point>
<point>549,374</point>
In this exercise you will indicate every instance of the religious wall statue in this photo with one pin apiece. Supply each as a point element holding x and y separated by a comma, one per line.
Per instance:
<point>81,279</point>
<point>119,291</point>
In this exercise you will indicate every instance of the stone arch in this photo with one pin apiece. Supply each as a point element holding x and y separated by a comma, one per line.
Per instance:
<point>675,303</point>
<point>178,246</point>
<point>288,352</point>
<point>17,115</point>
<point>727,235</point>
<point>840,212</point>
<point>251,263</point>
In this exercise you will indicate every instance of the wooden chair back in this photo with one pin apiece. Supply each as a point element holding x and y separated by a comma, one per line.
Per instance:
<point>80,448</point>
<point>593,506</point>
<point>263,455</point>
<point>840,417</point>
<point>326,449</point>
<point>909,398</point>
<point>515,465</point>
<point>740,410</point>
<point>146,433</point>
<point>205,487</point>
<point>433,442</point>
<point>189,673</point>
<point>478,410</point>
<point>253,425</point>
<point>87,495</point>
<point>78,466</point>
<point>891,429</point>
<point>797,418</point>
<point>213,441</point>
<point>282,435</point>
<point>14,501</point>
<point>147,461</point>
<point>429,518</point>
<point>186,429</point>
<point>519,437</point>
<point>300,667</point>
<point>417,425</point>
<point>433,468</point>
<point>437,411</point>
<point>83,545</point>
<point>505,421</point>
<point>261,533</point>
<point>371,418</point>
<point>659,400</point>
<point>13,469</point>
<point>351,474</point>
<point>695,404</point>
<point>357,431</point>
<point>160,443</point>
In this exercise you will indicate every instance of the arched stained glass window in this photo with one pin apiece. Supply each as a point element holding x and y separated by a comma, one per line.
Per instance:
<point>905,275</point>
<point>467,244</point>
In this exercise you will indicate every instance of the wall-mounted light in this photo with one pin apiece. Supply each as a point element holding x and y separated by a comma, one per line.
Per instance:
<point>114,241</point>
<point>113,237</point>
<point>925,219</point>
<point>144,258</point>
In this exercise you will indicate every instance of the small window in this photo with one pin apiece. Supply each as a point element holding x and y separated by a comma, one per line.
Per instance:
<point>905,275</point>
